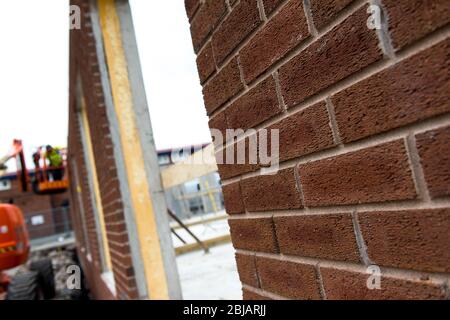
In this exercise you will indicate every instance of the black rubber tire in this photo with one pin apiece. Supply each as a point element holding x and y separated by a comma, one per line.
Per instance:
<point>46,277</point>
<point>24,287</point>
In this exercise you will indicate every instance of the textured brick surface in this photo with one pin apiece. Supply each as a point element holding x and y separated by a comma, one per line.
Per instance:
<point>288,279</point>
<point>205,63</point>
<point>233,199</point>
<point>246,265</point>
<point>191,7</point>
<point>348,285</point>
<point>282,33</point>
<point>411,20</point>
<point>346,49</point>
<point>323,11</point>
<point>271,192</point>
<point>206,19</point>
<point>304,132</point>
<point>376,174</point>
<point>320,236</point>
<point>415,89</point>
<point>234,168</point>
<point>222,86</point>
<point>253,234</point>
<point>242,21</point>
<point>270,5</point>
<point>435,157</point>
<point>256,106</point>
<point>348,155</point>
<point>417,240</point>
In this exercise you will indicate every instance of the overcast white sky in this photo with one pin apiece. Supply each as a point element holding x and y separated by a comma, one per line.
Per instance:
<point>34,73</point>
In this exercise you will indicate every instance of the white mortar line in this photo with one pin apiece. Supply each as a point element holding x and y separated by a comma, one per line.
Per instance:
<point>309,18</point>
<point>383,33</point>
<point>333,123</point>
<point>391,206</point>
<point>322,290</point>
<point>263,293</point>
<point>371,141</point>
<point>360,240</point>
<point>439,278</point>
<point>280,97</point>
<point>416,168</point>
<point>262,12</point>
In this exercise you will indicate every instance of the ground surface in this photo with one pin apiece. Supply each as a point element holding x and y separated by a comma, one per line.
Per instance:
<point>210,276</point>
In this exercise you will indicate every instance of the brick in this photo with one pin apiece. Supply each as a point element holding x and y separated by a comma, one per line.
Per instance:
<point>128,282</point>
<point>412,90</point>
<point>255,107</point>
<point>271,5</point>
<point>253,234</point>
<point>231,169</point>
<point>206,20</point>
<point>236,27</point>
<point>288,279</point>
<point>250,295</point>
<point>233,199</point>
<point>413,239</point>
<point>246,266</point>
<point>318,236</point>
<point>222,86</point>
<point>323,11</point>
<point>370,175</point>
<point>435,158</point>
<point>410,21</point>
<point>280,35</point>
<point>350,285</point>
<point>191,7</point>
<point>271,192</point>
<point>346,49</point>
<point>205,63</point>
<point>304,132</point>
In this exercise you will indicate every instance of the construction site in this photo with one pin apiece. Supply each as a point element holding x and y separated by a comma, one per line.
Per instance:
<point>228,150</point>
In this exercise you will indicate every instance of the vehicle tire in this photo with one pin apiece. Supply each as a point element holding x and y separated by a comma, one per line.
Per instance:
<point>46,277</point>
<point>24,286</point>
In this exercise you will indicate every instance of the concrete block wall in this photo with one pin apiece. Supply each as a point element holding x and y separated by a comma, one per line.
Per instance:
<point>84,64</point>
<point>364,123</point>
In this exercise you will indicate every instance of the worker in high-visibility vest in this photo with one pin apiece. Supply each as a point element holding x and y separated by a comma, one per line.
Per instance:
<point>55,160</point>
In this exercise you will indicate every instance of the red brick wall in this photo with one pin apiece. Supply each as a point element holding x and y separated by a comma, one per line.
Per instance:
<point>364,123</point>
<point>84,61</point>
<point>31,204</point>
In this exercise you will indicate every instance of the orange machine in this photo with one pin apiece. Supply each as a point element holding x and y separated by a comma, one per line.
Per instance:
<point>36,283</point>
<point>14,241</point>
